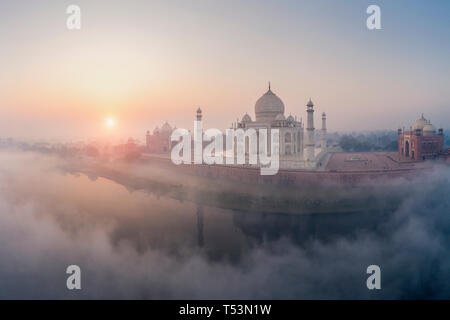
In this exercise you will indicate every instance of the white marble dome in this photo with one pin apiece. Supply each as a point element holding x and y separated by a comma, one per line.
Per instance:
<point>268,107</point>
<point>420,123</point>
<point>429,130</point>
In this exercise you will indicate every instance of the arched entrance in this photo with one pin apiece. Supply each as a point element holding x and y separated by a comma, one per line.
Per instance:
<point>407,148</point>
<point>288,149</point>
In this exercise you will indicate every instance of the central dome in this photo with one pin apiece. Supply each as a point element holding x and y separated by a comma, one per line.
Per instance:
<point>268,107</point>
<point>420,123</point>
<point>166,128</point>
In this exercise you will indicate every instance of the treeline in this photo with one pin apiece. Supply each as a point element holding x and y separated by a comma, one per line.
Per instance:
<point>373,141</point>
<point>447,138</point>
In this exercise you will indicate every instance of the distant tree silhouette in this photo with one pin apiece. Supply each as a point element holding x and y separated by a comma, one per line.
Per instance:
<point>92,151</point>
<point>369,142</point>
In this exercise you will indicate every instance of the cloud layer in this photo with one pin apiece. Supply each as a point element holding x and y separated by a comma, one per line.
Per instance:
<point>133,245</point>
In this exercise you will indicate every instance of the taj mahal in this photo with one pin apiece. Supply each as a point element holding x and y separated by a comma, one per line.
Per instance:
<point>302,150</point>
<point>297,150</point>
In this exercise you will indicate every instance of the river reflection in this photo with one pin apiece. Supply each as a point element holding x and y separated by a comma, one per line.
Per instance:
<point>175,226</point>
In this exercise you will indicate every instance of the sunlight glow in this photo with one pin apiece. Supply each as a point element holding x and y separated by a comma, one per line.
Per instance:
<point>110,122</point>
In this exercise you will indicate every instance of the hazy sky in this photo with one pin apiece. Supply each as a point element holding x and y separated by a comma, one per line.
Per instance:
<point>144,62</point>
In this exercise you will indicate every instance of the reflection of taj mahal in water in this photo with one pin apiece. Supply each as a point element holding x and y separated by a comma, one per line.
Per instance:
<point>297,150</point>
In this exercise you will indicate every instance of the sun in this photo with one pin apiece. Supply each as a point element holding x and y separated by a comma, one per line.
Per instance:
<point>110,122</point>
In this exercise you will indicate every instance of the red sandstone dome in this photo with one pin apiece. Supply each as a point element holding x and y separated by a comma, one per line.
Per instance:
<point>166,128</point>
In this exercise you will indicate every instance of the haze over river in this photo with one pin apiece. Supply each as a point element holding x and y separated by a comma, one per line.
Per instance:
<point>138,244</point>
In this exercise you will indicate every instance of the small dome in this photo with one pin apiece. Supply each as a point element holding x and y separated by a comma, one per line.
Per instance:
<point>166,128</point>
<point>246,118</point>
<point>429,129</point>
<point>199,110</point>
<point>290,118</point>
<point>420,123</point>
<point>310,104</point>
<point>156,130</point>
<point>268,107</point>
<point>280,117</point>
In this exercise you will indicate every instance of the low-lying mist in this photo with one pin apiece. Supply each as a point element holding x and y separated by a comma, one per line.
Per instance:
<point>132,244</point>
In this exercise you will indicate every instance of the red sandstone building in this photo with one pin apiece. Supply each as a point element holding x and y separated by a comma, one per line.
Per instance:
<point>421,142</point>
<point>159,141</point>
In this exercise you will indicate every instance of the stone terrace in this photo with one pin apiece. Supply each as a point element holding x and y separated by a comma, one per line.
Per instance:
<point>365,161</point>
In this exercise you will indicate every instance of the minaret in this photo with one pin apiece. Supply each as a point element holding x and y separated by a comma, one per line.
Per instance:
<point>310,134</point>
<point>198,138</point>
<point>323,140</point>
<point>147,139</point>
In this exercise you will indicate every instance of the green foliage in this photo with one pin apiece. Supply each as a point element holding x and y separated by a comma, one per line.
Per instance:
<point>447,138</point>
<point>369,142</point>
